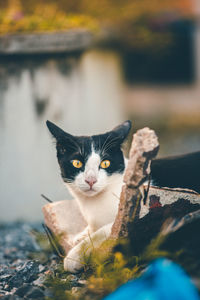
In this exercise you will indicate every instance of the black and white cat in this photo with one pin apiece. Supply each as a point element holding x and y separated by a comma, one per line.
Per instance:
<point>92,168</point>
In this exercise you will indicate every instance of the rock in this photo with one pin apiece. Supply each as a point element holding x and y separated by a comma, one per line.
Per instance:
<point>2,293</point>
<point>159,197</point>
<point>23,290</point>
<point>75,290</point>
<point>82,282</point>
<point>12,297</point>
<point>183,234</point>
<point>40,280</point>
<point>35,293</point>
<point>144,229</point>
<point>48,293</point>
<point>64,219</point>
<point>5,277</point>
<point>21,277</point>
<point>72,277</point>
<point>27,273</point>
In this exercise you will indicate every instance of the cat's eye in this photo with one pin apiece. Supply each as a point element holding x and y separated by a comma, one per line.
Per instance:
<point>105,164</point>
<point>77,163</point>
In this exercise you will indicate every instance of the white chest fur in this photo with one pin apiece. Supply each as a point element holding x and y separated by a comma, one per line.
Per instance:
<point>102,208</point>
<point>98,205</point>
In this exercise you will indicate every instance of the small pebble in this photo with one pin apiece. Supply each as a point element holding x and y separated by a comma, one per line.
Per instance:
<point>82,282</point>
<point>75,290</point>
<point>23,290</point>
<point>72,277</point>
<point>35,293</point>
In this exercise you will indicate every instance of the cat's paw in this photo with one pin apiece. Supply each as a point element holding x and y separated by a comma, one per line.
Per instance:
<point>81,236</point>
<point>72,262</point>
<point>78,239</point>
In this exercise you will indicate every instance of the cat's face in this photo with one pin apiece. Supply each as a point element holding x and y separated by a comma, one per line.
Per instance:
<point>88,163</point>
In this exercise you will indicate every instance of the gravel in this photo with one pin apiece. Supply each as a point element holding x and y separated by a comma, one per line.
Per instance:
<point>22,277</point>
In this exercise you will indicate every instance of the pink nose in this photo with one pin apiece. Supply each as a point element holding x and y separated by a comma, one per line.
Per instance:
<point>91,182</point>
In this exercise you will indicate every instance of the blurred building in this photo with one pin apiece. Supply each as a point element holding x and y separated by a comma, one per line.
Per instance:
<point>163,89</point>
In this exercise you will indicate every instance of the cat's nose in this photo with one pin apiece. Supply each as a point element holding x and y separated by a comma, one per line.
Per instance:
<point>91,181</point>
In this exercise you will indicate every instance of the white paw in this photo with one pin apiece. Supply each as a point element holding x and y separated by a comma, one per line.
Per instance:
<point>72,262</point>
<point>78,238</point>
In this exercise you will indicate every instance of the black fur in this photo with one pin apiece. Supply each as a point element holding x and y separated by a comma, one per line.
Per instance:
<point>70,147</point>
<point>177,172</point>
<point>181,171</point>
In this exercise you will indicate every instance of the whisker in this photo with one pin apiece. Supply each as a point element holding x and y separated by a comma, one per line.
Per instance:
<point>102,148</point>
<point>109,145</point>
<point>110,142</point>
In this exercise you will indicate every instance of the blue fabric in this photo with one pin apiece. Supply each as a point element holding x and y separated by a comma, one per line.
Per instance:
<point>163,280</point>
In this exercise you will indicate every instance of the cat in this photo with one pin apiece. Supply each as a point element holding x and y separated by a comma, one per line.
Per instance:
<point>92,167</point>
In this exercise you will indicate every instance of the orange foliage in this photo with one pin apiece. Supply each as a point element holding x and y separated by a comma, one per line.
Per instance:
<point>130,18</point>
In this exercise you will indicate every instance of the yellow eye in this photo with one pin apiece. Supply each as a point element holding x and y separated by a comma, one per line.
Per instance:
<point>77,163</point>
<point>105,164</point>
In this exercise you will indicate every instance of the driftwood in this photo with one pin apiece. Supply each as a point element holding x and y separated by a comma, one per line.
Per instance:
<point>142,210</point>
<point>143,149</point>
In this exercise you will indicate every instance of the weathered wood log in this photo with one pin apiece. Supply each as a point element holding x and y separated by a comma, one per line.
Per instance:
<point>143,149</point>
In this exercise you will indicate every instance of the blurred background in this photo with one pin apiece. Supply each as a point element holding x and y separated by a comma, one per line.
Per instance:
<point>87,66</point>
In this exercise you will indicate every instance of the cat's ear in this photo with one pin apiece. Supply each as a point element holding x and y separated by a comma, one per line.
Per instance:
<point>57,132</point>
<point>122,130</point>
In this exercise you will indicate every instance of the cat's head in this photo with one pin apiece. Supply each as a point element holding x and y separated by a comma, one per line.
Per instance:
<point>87,163</point>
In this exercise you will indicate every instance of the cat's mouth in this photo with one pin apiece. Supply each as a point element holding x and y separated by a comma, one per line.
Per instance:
<point>90,191</point>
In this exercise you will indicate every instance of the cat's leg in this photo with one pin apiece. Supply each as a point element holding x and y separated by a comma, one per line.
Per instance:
<point>81,235</point>
<point>73,262</point>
